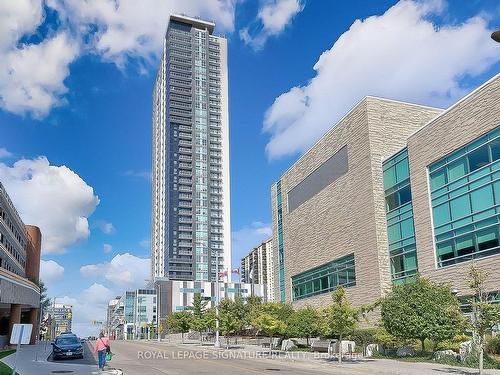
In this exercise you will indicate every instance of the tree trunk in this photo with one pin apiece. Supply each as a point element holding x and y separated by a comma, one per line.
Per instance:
<point>340,348</point>
<point>423,344</point>
<point>481,359</point>
<point>307,340</point>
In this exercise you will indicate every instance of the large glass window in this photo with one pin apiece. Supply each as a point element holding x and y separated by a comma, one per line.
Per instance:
<point>465,193</point>
<point>400,226</point>
<point>325,278</point>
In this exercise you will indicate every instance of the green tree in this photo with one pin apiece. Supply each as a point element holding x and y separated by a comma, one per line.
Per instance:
<point>270,318</point>
<point>44,305</point>
<point>44,299</point>
<point>422,310</point>
<point>340,318</point>
<point>251,308</point>
<point>484,315</point>
<point>304,323</point>
<point>363,337</point>
<point>199,320</point>
<point>180,322</point>
<point>230,317</point>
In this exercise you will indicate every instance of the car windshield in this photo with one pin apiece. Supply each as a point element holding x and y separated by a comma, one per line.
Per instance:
<point>67,341</point>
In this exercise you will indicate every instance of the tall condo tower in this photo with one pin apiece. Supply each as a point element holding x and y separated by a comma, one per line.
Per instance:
<point>190,193</point>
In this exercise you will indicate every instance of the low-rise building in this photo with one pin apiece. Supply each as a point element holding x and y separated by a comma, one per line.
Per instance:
<point>20,247</point>
<point>133,315</point>
<point>60,317</point>
<point>258,267</point>
<point>115,318</point>
<point>391,190</point>
<point>176,295</point>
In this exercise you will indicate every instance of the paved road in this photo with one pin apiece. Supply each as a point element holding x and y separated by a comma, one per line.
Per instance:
<point>88,357</point>
<point>153,358</point>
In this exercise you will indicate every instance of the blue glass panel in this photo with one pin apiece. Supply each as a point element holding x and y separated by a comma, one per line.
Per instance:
<point>441,214</point>
<point>482,198</point>
<point>438,179</point>
<point>457,169</point>
<point>460,207</point>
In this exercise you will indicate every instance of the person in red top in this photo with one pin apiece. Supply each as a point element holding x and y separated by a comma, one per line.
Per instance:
<point>101,347</point>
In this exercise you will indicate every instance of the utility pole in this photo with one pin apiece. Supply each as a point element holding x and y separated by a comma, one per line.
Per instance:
<point>217,340</point>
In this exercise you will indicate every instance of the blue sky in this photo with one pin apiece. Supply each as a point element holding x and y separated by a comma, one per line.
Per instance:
<point>75,109</point>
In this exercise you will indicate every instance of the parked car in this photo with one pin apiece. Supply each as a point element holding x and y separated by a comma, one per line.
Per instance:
<point>67,346</point>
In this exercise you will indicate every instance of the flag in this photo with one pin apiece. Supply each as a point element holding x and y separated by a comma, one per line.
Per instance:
<point>235,270</point>
<point>223,273</point>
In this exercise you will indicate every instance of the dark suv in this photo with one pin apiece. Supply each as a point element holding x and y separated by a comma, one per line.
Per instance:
<point>67,346</point>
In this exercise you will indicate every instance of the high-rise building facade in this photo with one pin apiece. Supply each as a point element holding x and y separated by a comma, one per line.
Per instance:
<point>394,189</point>
<point>191,196</point>
<point>258,267</point>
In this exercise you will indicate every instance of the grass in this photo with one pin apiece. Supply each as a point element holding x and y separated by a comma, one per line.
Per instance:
<point>489,362</point>
<point>4,369</point>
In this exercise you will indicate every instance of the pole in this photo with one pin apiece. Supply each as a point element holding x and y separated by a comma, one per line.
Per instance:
<point>217,341</point>
<point>158,304</point>
<point>17,349</point>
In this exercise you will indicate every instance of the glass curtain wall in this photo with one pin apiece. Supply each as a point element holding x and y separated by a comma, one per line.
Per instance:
<point>399,213</point>
<point>325,278</point>
<point>465,196</point>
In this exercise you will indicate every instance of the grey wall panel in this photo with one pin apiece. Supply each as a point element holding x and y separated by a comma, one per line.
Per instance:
<point>323,176</point>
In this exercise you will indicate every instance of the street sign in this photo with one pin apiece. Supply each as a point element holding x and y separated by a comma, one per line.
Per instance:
<point>21,334</point>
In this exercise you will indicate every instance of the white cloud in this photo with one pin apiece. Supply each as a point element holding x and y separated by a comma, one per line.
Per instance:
<point>248,237</point>
<point>52,197</point>
<point>124,270</point>
<point>107,248</point>
<point>106,228</point>
<point>272,18</point>
<point>29,86</point>
<point>50,271</point>
<point>91,304</point>
<point>139,174</point>
<point>400,54</point>
<point>130,28</point>
<point>4,153</point>
<point>32,74</point>
<point>26,84</point>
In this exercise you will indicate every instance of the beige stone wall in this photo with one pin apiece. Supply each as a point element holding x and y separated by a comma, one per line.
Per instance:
<point>461,124</point>
<point>348,216</point>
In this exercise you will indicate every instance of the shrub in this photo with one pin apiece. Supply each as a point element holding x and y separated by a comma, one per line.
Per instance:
<point>493,345</point>
<point>453,344</point>
<point>364,336</point>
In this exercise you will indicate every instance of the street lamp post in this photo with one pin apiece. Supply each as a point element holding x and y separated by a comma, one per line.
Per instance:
<point>217,340</point>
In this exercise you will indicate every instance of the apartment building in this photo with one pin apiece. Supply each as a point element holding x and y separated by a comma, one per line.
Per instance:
<point>191,234</point>
<point>258,267</point>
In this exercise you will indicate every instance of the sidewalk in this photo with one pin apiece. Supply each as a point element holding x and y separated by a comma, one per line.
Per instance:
<point>32,360</point>
<point>322,360</point>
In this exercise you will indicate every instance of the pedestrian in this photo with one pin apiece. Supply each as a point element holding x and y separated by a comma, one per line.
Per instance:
<point>101,348</point>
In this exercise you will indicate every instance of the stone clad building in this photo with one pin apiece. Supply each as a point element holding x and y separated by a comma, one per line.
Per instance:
<point>393,189</point>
